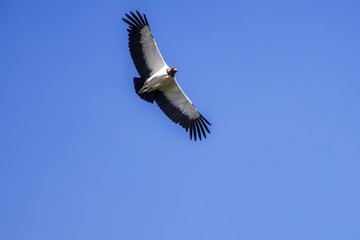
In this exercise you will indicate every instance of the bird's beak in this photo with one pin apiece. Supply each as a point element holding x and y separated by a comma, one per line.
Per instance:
<point>175,70</point>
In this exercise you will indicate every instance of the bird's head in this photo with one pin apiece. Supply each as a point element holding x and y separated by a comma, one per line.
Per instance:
<point>172,71</point>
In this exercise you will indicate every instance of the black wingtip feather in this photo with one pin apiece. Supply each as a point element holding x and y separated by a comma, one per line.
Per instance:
<point>207,129</point>
<point>137,19</point>
<point>198,129</point>
<point>201,116</point>
<point>202,128</point>
<point>141,18</point>
<point>191,132</point>
<point>194,129</point>
<point>133,20</point>
<point>128,22</point>
<point>146,21</point>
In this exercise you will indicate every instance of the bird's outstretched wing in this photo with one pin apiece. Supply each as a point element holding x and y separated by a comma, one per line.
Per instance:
<point>178,107</point>
<point>143,49</point>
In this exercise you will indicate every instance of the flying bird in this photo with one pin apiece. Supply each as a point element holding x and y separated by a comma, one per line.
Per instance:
<point>157,80</point>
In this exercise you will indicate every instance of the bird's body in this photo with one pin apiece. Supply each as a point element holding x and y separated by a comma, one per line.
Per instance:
<point>157,82</point>
<point>159,79</point>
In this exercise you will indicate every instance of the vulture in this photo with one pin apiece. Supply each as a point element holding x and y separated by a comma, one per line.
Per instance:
<point>157,80</point>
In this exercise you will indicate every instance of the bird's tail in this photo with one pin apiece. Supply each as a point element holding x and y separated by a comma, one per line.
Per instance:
<point>147,96</point>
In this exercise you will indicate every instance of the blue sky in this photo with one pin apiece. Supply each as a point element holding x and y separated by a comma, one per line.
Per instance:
<point>83,157</point>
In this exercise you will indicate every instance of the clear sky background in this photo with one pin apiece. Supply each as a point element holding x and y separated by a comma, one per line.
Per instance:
<point>83,157</point>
